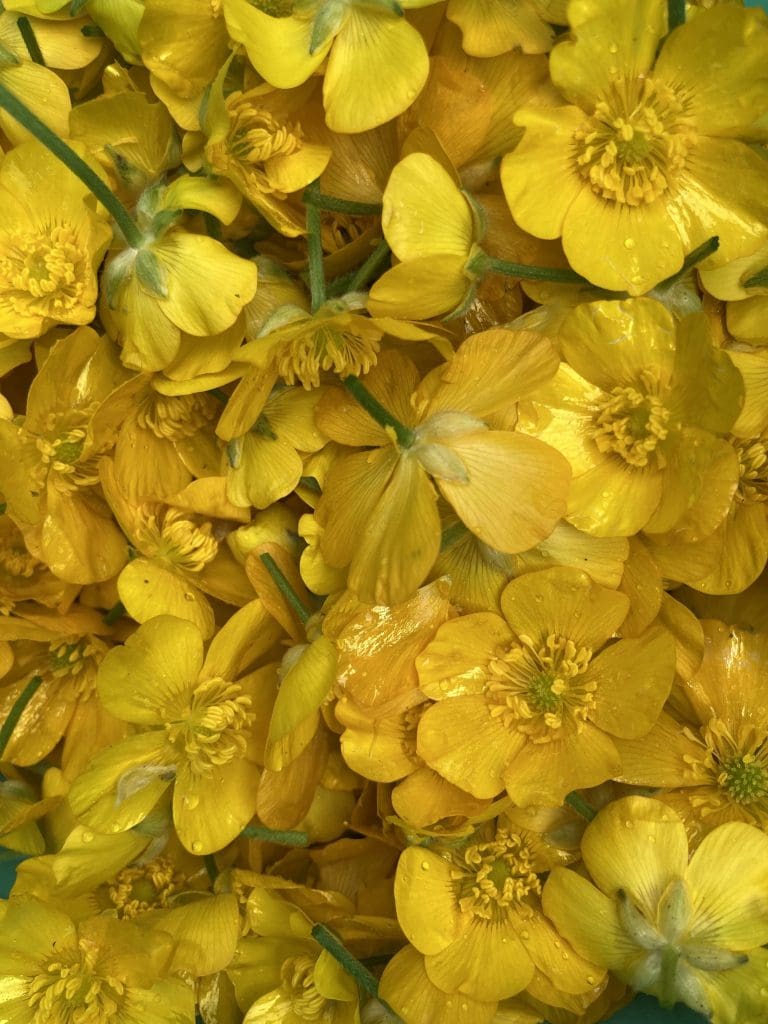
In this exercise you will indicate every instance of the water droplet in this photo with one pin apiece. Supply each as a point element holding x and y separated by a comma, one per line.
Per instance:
<point>651,838</point>
<point>538,598</point>
<point>504,940</point>
<point>557,943</point>
<point>525,935</point>
<point>565,956</point>
<point>729,584</point>
<point>191,802</point>
<point>188,596</point>
<point>629,243</point>
<point>613,48</point>
<point>465,1007</point>
<point>628,824</point>
<point>590,979</point>
<point>87,836</point>
<point>115,828</point>
<point>425,865</point>
<point>197,846</point>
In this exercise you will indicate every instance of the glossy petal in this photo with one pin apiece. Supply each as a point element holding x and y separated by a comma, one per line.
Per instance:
<point>407,989</point>
<point>427,908</point>
<point>455,663</point>
<point>279,48</point>
<point>209,812</point>
<point>148,588</point>
<point>422,287</point>
<point>487,961</point>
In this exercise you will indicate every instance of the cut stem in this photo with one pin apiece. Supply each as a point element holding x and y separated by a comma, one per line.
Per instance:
<point>341,954</point>
<point>579,804</point>
<point>285,588</point>
<point>17,711</point>
<point>314,197</point>
<point>30,40</point>
<point>314,248</point>
<point>405,436</point>
<point>18,110</point>
<point>269,835</point>
<point>676,13</point>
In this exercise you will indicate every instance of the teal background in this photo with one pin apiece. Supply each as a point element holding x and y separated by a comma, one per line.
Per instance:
<point>643,1010</point>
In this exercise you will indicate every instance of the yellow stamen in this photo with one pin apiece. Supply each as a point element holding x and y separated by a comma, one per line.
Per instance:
<point>211,728</point>
<point>631,424</point>
<point>491,876</point>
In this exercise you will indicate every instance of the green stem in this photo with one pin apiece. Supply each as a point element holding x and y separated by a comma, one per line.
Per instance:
<point>269,835</point>
<point>351,965</point>
<point>669,959</point>
<point>580,805</point>
<point>30,40</point>
<point>369,269</point>
<point>17,711</point>
<point>314,248</point>
<point>210,866</point>
<point>758,280</point>
<point>314,197</point>
<point>405,436</point>
<point>676,13</point>
<point>699,253</point>
<point>3,507</point>
<point>117,611</point>
<point>559,275</point>
<point>76,164</point>
<point>285,588</point>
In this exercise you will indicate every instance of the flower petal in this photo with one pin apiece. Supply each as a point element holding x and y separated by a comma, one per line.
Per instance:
<point>487,961</point>
<point>425,896</point>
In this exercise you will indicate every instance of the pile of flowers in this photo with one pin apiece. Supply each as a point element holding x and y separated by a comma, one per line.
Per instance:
<point>384,493</point>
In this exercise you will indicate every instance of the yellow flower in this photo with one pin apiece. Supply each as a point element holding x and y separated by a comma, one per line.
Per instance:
<point>198,735</point>
<point>51,244</point>
<point>379,506</point>
<point>652,157</point>
<point>683,931</point>
<point>717,761</point>
<point>100,969</point>
<point>24,577</point>
<point>179,559</point>
<point>49,463</point>
<point>255,139</point>
<point>20,810</point>
<point>44,91</point>
<point>473,910</point>
<point>377,61</point>
<point>491,27</point>
<point>636,410</point>
<point>531,702</point>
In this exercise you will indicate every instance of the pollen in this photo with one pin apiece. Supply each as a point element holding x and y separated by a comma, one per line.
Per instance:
<point>535,689</point>
<point>62,451</point>
<point>753,470</point>
<point>494,875</point>
<point>325,345</point>
<point>175,417</point>
<point>636,144</point>
<point>44,274</point>
<point>297,976</point>
<point>145,887</point>
<point>76,988</point>
<point>212,728</point>
<point>631,424</point>
<point>178,538</point>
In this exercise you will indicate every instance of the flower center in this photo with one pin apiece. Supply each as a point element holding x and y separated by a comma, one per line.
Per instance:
<point>316,345</point>
<point>145,887</point>
<point>15,560</point>
<point>753,470</point>
<point>255,135</point>
<point>732,768</point>
<point>60,451</point>
<point>297,974</point>
<point>492,876</point>
<point>745,778</point>
<point>44,274</point>
<point>631,424</point>
<point>75,988</point>
<point>636,143</point>
<point>175,416</point>
<point>535,690</point>
<point>176,537</point>
<point>212,728</point>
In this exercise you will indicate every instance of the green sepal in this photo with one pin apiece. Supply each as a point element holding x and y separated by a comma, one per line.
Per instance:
<point>150,273</point>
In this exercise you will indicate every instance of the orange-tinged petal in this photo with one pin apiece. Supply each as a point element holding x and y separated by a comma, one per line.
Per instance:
<point>425,896</point>
<point>499,463</point>
<point>640,858</point>
<point>465,744</point>
<point>565,602</point>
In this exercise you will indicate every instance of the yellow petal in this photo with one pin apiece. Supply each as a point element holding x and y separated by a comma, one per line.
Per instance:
<point>44,92</point>
<point>30,931</point>
<point>456,662</point>
<point>427,907</point>
<point>209,812</point>
<point>467,746</point>
<point>377,67</point>
<point>205,933</point>
<point>568,972</point>
<point>641,857</point>
<point>407,989</point>
<point>661,757</point>
<point>422,287</point>
<point>157,666</point>
<point>80,543</point>
<point>488,961</point>
<point>490,28</point>
<point>587,918</point>
<point>565,602</point>
<point>424,212</point>
<point>279,48</point>
<point>499,463</point>
<point>621,707</point>
<point>302,690</point>
<point>148,588</point>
